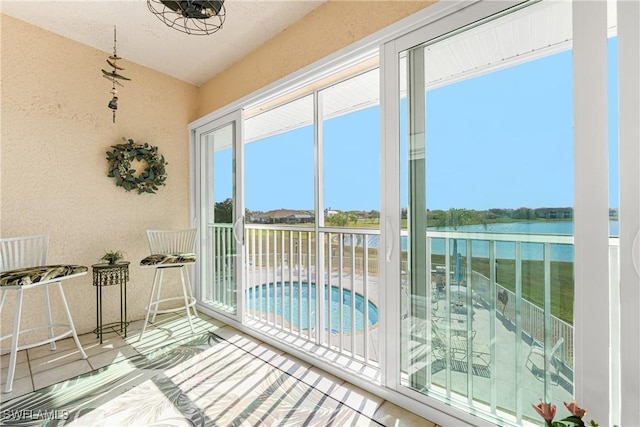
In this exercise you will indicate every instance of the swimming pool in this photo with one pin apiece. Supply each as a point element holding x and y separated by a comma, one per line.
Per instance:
<point>301,297</point>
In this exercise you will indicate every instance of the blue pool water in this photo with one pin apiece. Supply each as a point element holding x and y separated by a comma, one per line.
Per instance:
<point>301,297</point>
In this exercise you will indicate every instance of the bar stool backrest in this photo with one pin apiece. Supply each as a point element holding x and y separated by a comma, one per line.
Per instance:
<point>23,252</point>
<point>172,241</point>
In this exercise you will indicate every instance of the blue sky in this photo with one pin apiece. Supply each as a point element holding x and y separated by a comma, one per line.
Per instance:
<point>503,139</point>
<point>499,140</point>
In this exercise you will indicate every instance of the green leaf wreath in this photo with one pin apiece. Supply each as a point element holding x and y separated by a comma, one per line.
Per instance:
<point>154,174</point>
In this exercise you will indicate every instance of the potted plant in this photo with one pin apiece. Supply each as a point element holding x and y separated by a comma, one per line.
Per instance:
<point>112,257</point>
<point>547,411</point>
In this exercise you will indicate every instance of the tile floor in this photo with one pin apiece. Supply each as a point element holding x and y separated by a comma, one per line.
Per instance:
<point>40,368</point>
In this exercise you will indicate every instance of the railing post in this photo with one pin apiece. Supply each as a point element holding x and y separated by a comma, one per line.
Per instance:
<point>547,322</point>
<point>518,323</point>
<point>323,302</point>
<point>492,323</point>
<point>365,278</point>
<point>469,306</point>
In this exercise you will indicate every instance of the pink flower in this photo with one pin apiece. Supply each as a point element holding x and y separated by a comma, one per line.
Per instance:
<point>546,411</point>
<point>575,410</point>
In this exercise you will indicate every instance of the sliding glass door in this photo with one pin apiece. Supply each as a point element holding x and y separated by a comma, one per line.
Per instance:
<point>222,222</point>
<point>486,190</point>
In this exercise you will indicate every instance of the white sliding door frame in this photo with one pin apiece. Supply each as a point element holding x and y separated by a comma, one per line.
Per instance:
<point>591,219</point>
<point>591,197</point>
<point>202,185</point>
<point>629,214</point>
<point>390,235</point>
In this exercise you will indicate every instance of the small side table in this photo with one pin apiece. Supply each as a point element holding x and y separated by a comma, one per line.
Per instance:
<point>108,275</point>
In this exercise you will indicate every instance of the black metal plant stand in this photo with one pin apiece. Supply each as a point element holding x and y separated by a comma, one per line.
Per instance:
<point>109,275</point>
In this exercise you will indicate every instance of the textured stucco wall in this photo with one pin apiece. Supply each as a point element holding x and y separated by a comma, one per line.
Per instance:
<point>331,27</point>
<point>56,128</point>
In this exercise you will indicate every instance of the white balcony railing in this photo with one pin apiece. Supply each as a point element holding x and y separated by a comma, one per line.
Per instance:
<point>522,314</point>
<point>329,301</point>
<point>220,266</point>
<point>532,318</point>
<point>323,288</point>
<point>282,273</point>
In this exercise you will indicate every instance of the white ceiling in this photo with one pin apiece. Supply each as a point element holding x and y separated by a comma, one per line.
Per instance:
<point>145,40</point>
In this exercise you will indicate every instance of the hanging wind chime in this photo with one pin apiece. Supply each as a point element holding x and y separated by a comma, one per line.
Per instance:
<point>114,76</point>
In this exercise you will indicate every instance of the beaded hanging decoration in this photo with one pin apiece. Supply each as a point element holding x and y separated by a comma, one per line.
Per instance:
<point>114,76</point>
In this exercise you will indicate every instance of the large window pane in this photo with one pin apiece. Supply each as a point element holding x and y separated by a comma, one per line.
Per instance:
<point>330,299</point>
<point>487,272</point>
<point>279,193</point>
<point>351,147</point>
<point>220,267</point>
<point>279,165</point>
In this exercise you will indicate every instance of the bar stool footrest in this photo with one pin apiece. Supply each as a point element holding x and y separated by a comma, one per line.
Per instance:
<point>39,343</point>
<point>156,310</point>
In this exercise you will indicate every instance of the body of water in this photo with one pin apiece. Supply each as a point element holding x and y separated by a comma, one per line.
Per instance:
<point>535,227</point>
<point>506,250</point>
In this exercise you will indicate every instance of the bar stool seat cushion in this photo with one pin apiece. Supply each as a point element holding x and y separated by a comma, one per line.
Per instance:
<point>159,260</point>
<point>47,273</point>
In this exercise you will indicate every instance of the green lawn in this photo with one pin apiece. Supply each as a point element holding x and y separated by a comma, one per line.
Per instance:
<point>562,288</point>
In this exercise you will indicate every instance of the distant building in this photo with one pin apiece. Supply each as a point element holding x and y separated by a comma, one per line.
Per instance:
<point>554,213</point>
<point>283,216</point>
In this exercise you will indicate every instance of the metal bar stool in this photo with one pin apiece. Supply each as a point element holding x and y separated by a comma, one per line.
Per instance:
<point>170,249</point>
<point>22,267</point>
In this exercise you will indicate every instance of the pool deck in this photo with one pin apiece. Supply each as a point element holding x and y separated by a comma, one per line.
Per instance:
<point>511,384</point>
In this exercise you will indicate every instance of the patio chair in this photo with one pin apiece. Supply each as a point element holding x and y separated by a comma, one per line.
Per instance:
<point>503,297</point>
<point>170,249</point>
<point>458,346</point>
<point>23,267</point>
<point>537,348</point>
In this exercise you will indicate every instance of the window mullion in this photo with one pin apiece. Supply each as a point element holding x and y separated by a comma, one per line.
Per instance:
<point>629,213</point>
<point>591,222</point>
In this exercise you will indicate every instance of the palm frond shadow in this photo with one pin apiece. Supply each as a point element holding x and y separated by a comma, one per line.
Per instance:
<point>78,396</point>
